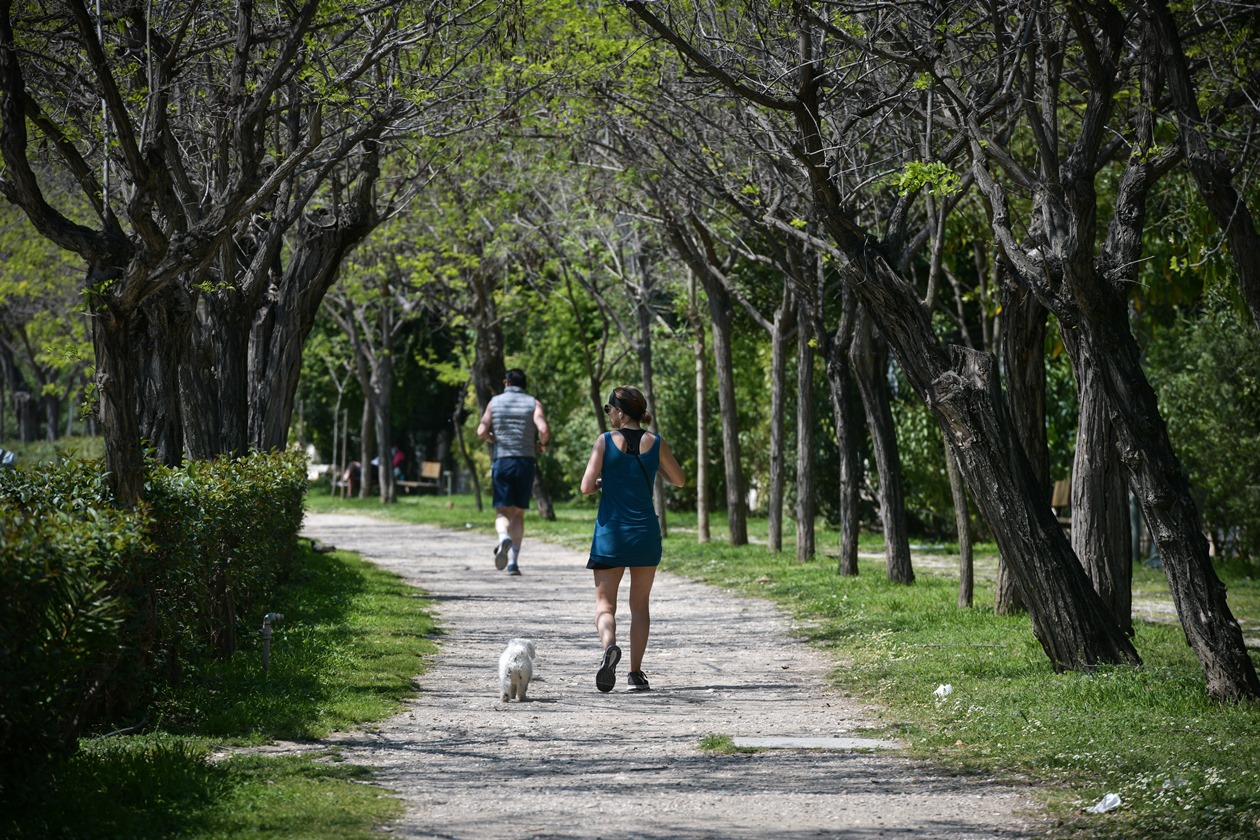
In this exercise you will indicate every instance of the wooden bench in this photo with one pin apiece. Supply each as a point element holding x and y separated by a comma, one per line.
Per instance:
<point>430,477</point>
<point>1061,502</point>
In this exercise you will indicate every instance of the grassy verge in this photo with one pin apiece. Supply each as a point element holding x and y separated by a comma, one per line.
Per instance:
<point>351,642</point>
<point>1183,766</point>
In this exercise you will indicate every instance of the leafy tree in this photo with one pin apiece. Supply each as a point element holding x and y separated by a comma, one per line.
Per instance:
<point>786,63</point>
<point>45,354</point>
<point>1207,373</point>
<point>228,155</point>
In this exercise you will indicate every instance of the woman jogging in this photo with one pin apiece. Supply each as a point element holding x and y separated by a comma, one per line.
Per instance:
<point>624,463</point>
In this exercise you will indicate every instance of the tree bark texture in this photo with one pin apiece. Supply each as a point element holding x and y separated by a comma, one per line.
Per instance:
<point>542,499</point>
<point>870,366</point>
<point>778,450</point>
<point>283,312</point>
<point>382,396</point>
<point>961,389</point>
<point>1156,478</point>
<point>1100,505</point>
<point>844,408</point>
<point>720,323</point>
<point>643,347</point>
<point>488,368</point>
<point>805,504</point>
<point>702,415</point>
<point>213,380</point>
<point>116,401</point>
<point>159,343</point>
<point>1023,357</point>
<point>962,527</point>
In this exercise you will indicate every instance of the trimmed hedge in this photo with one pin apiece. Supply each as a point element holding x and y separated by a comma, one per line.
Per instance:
<point>104,604</point>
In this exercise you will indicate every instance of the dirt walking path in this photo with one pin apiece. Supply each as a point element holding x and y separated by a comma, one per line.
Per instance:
<point>575,763</point>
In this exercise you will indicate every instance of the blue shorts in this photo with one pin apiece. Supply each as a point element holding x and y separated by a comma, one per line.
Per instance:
<point>513,480</point>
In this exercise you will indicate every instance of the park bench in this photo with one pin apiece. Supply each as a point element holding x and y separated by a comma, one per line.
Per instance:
<point>430,477</point>
<point>1061,502</point>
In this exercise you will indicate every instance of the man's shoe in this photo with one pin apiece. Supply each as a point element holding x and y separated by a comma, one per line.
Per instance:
<point>514,570</point>
<point>606,676</point>
<point>501,553</point>
<point>637,681</point>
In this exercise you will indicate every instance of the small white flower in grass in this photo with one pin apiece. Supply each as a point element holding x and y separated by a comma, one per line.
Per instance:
<point>943,691</point>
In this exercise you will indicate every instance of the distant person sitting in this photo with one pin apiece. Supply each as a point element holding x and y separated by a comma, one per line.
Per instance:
<point>351,477</point>
<point>400,460</point>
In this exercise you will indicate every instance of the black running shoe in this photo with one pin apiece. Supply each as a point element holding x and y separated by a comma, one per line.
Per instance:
<point>501,553</point>
<point>514,570</point>
<point>637,681</point>
<point>606,676</point>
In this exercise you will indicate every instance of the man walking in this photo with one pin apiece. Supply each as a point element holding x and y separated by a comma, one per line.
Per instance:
<point>514,425</point>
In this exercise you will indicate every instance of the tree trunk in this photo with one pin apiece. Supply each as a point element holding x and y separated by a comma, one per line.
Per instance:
<point>542,499</point>
<point>1100,505</point>
<point>214,380</point>
<point>1023,356</point>
<point>805,504</point>
<point>962,527</point>
<point>844,408</point>
<point>23,405</point>
<point>367,446</point>
<point>720,318</point>
<point>159,344</point>
<point>778,387</point>
<point>52,412</point>
<point>643,344</point>
<point>488,369</point>
<point>457,421</point>
<point>1163,492</point>
<point>116,400</point>
<point>702,415</point>
<point>284,316</point>
<point>870,364</point>
<point>961,389</point>
<point>381,395</point>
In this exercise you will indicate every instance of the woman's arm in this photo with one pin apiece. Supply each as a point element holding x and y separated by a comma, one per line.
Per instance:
<point>594,467</point>
<point>669,467</point>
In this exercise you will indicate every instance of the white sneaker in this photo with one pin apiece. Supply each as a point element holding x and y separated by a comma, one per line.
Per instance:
<point>501,554</point>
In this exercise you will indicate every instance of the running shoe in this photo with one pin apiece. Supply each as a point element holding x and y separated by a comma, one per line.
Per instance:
<point>514,570</point>
<point>637,681</point>
<point>606,676</point>
<point>501,553</point>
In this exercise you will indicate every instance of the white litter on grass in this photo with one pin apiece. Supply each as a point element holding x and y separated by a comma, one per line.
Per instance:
<point>943,691</point>
<point>1109,802</point>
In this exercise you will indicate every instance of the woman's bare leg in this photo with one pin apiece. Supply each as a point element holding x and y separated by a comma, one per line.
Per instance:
<point>606,583</point>
<point>641,578</point>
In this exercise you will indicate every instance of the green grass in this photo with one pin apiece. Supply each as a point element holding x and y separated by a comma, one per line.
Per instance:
<point>1182,765</point>
<point>347,651</point>
<point>724,745</point>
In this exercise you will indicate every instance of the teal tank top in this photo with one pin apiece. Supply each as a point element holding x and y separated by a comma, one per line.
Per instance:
<point>627,531</point>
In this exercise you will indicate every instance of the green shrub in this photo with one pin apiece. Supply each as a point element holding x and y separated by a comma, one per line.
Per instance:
<point>63,562</point>
<point>226,535</point>
<point>103,604</point>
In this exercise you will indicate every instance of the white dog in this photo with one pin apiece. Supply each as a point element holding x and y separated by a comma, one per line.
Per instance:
<point>516,669</point>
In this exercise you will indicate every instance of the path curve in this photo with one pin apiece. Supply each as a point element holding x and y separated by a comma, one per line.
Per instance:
<point>574,763</point>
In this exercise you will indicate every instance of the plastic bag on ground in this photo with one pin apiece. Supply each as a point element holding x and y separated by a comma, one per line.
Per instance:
<point>1109,802</point>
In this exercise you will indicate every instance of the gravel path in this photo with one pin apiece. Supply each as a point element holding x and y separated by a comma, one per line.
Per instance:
<point>574,763</point>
